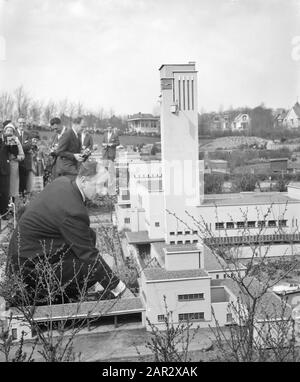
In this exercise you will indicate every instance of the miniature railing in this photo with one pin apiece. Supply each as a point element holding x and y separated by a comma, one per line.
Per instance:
<point>253,239</point>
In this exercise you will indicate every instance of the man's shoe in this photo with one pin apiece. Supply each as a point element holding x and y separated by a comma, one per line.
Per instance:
<point>112,294</point>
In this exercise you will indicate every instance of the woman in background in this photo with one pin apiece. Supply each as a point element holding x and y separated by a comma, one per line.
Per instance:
<point>16,154</point>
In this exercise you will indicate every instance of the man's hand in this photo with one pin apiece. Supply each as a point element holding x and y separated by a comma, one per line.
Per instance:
<point>78,157</point>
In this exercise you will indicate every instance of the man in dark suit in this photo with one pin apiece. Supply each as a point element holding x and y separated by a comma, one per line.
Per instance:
<point>110,143</point>
<point>59,129</point>
<point>26,164</point>
<point>87,141</point>
<point>4,177</point>
<point>53,236</point>
<point>68,151</point>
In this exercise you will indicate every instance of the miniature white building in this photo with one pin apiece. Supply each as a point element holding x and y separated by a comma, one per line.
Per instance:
<point>144,123</point>
<point>174,258</point>
<point>292,118</point>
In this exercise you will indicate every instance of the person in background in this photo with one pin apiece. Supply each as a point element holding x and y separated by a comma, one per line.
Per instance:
<point>87,142</point>
<point>50,159</point>
<point>31,160</point>
<point>22,136</point>
<point>110,143</point>
<point>86,138</point>
<point>16,155</point>
<point>59,129</point>
<point>4,177</point>
<point>68,151</point>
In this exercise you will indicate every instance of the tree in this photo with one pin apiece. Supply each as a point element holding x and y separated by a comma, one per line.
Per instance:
<point>49,111</point>
<point>246,182</point>
<point>261,121</point>
<point>172,343</point>
<point>7,104</point>
<point>213,183</point>
<point>22,102</point>
<point>35,112</point>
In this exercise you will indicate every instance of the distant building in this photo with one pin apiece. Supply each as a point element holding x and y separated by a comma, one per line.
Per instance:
<point>217,166</point>
<point>279,165</point>
<point>292,118</point>
<point>220,122</point>
<point>279,115</point>
<point>144,123</point>
<point>241,122</point>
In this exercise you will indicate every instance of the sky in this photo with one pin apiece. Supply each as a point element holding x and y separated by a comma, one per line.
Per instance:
<point>106,53</point>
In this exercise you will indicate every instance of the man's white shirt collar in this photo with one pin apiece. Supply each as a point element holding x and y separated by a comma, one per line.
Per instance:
<point>61,133</point>
<point>75,132</point>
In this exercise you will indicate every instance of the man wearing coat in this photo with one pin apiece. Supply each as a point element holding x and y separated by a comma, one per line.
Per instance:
<point>110,143</point>
<point>25,166</point>
<point>87,141</point>
<point>68,151</point>
<point>4,177</point>
<point>55,229</point>
<point>56,125</point>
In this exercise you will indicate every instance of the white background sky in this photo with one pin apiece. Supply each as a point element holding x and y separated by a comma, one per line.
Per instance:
<point>106,53</point>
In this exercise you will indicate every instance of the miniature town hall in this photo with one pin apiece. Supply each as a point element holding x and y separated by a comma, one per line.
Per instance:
<point>160,204</point>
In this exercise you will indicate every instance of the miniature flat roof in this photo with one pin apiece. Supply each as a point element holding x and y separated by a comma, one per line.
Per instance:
<point>181,247</point>
<point>269,306</point>
<point>152,274</point>
<point>211,262</point>
<point>140,237</point>
<point>87,308</point>
<point>248,198</point>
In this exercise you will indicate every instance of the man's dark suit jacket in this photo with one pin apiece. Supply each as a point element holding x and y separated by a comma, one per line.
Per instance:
<point>68,145</point>
<point>56,222</point>
<point>58,216</point>
<point>88,141</point>
<point>109,152</point>
<point>25,141</point>
<point>4,177</point>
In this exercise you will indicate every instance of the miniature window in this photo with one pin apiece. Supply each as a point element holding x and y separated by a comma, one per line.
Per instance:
<point>219,225</point>
<point>14,334</point>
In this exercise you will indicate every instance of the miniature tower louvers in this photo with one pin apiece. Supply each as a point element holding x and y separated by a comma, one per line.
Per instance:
<point>179,138</point>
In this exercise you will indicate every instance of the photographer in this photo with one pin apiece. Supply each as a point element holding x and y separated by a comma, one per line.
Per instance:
<point>31,159</point>
<point>15,155</point>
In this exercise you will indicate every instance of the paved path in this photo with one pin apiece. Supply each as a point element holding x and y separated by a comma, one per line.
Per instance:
<point>126,343</point>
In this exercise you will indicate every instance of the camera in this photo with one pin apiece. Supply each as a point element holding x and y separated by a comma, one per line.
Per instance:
<point>10,141</point>
<point>85,153</point>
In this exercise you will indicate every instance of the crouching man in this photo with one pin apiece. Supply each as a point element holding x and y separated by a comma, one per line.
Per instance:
<point>53,246</point>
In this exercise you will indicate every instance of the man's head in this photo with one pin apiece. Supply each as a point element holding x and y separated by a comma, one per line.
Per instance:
<point>78,124</point>
<point>21,123</point>
<point>91,179</point>
<point>56,125</point>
